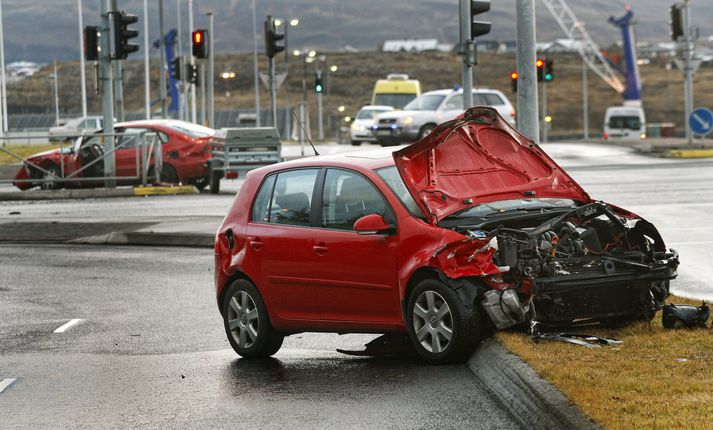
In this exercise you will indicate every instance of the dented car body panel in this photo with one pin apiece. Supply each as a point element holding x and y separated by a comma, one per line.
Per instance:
<point>474,206</point>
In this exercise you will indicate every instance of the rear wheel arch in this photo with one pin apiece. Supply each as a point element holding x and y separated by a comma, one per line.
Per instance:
<point>234,277</point>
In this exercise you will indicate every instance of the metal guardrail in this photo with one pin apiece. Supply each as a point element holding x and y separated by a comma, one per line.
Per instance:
<point>147,145</point>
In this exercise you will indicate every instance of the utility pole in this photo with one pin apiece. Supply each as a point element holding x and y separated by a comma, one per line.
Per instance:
<point>527,115</point>
<point>320,125</point>
<point>211,73</point>
<point>585,102</point>
<point>56,94</point>
<point>193,63</point>
<point>162,59</point>
<point>466,46</point>
<point>255,70</point>
<point>147,81</point>
<point>82,73</point>
<point>688,69</point>
<point>107,97</point>
<point>3,76</point>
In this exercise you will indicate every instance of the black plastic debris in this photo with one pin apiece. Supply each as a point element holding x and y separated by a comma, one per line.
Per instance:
<point>386,344</point>
<point>586,340</point>
<point>685,316</point>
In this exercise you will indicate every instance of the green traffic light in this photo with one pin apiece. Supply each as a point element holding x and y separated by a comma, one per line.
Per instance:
<point>548,77</point>
<point>318,88</point>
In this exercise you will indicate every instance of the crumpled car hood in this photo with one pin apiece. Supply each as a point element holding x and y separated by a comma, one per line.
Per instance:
<point>478,158</point>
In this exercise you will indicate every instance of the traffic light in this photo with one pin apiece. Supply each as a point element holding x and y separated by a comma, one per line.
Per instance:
<point>478,28</point>
<point>200,43</point>
<point>123,34</point>
<point>318,87</point>
<point>272,48</point>
<point>192,73</point>
<point>676,21</point>
<point>176,68</point>
<point>549,70</point>
<point>540,65</point>
<point>91,43</point>
<point>513,81</point>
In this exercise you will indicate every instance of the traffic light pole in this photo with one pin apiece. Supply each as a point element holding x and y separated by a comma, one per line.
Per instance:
<point>466,45</point>
<point>585,102</point>
<point>273,92</point>
<point>544,123</point>
<point>82,73</point>
<point>688,71</point>
<point>211,83</point>
<point>320,122</point>
<point>193,63</point>
<point>527,115</point>
<point>108,96</point>
<point>162,55</point>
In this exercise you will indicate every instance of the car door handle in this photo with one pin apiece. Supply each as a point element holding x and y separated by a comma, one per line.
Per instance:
<point>320,248</point>
<point>255,242</point>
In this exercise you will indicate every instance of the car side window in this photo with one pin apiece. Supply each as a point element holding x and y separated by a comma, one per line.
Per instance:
<point>347,197</point>
<point>292,197</point>
<point>261,206</point>
<point>479,100</point>
<point>455,102</point>
<point>493,99</point>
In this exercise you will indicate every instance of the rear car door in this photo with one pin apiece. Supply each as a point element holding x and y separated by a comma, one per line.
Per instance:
<point>280,244</point>
<point>357,273</point>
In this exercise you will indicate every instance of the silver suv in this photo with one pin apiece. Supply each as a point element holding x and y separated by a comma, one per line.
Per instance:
<point>421,115</point>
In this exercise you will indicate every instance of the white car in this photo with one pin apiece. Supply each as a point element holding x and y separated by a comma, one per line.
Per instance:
<point>424,113</point>
<point>363,121</point>
<point>76,127</point>
<point>624,123</point>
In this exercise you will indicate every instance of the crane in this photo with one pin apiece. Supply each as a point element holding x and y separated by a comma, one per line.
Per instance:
<point>588,49</point>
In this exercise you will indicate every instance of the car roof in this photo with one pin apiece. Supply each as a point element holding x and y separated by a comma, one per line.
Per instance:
<point>377,107</point>
<point>363,159</point>
<point>451,90</point>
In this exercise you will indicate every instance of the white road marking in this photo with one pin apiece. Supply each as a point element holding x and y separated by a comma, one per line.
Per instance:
<point>65,327</point>
<point>5,383</point>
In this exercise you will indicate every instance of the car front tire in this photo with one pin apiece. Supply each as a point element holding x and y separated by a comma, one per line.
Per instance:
<point>246,322</point>
<point>442,328</point>
<point>425,130</point>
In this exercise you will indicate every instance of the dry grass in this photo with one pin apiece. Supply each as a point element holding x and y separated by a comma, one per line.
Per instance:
<point>656,379</point>
<point>22,151</point>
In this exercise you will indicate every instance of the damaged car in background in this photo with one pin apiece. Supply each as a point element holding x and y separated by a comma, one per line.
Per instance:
<point>472,228</point>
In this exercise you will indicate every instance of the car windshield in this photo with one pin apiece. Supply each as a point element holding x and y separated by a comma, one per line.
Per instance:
<point>392,178</point>
<point>425,102</point>
<point>485,210</point>
<point>627,122</point>
<point>193,130</point>
<point>369,113</point>
<point>397,100</point>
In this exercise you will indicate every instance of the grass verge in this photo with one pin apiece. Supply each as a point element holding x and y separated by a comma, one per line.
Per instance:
<point>23,151</point>
<point>656,379</point>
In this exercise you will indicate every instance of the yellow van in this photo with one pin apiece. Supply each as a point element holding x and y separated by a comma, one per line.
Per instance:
<point>395,91</point>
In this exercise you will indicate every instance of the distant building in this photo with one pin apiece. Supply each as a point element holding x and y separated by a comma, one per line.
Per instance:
<point>21,69</point>
<point>415,45</point>
<point>560,46</point>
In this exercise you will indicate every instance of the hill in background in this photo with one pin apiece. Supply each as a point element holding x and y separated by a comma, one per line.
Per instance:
<point>43,31</point>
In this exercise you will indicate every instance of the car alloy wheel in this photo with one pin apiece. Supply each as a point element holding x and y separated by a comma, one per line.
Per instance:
<point>443,328</point>
<point>246,321</point>
<point>243,319</point>
<point>432,322</point>
<point>50,178</point>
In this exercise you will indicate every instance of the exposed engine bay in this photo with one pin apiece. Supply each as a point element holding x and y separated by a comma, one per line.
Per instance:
<point>593,263</point>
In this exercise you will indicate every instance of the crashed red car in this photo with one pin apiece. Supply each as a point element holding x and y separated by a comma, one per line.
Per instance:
<point>471,229</point>
<point>186,154</point>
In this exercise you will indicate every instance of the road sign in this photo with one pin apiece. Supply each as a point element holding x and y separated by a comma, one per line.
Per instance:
<point>701,121</point>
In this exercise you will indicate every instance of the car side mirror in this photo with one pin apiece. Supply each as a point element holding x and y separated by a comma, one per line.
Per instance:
<point>372,224</point>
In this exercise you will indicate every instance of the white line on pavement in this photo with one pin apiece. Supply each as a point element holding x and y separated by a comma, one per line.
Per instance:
<point>6,383</point>
<point>65,327</point>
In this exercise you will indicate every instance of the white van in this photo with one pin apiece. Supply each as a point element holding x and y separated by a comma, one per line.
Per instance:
<point>624,123</point>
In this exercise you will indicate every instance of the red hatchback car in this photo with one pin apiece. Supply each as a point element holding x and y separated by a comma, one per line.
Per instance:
<point>471,229</point>
<point>186,154</point>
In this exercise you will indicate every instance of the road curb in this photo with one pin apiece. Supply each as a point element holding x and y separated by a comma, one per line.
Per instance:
<point>93,193</point>
<point>689,153</point>
<point>192,240</point>
<point>531,400</point>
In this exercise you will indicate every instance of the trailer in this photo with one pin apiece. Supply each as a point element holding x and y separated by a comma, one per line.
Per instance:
<point>239,150</point>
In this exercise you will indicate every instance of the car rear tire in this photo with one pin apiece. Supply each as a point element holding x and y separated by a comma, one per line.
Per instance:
<point>49,180</point>
<point>201,182</point>
<point>215,177</point>
<point>442,328</point>
<point>355,142</point>
<point>169,174</point>
<point>246,322</point>
<point>425,130</point>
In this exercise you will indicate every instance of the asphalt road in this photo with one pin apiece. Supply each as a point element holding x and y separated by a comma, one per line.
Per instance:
<point>150,352</point>
<point>676,195</point>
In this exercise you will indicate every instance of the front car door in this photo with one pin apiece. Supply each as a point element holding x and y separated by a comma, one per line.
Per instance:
<point>357,273</point>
